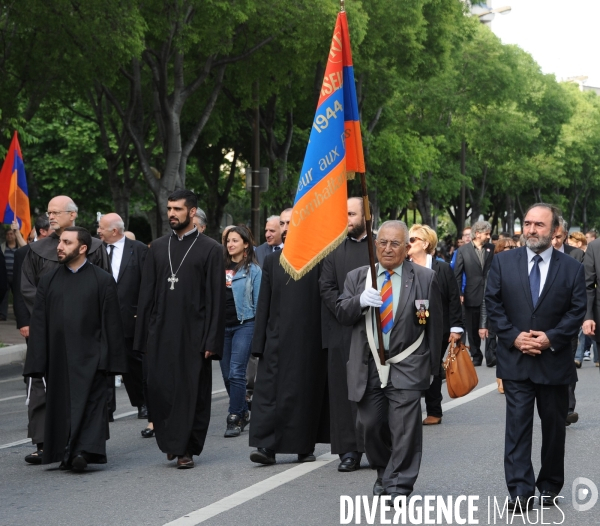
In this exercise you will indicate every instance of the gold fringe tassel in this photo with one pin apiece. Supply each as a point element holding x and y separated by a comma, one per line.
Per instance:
<point>298,274</point>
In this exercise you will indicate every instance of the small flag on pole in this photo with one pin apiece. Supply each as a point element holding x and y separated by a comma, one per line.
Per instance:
<point>14,197</point>
<point>334,153</point>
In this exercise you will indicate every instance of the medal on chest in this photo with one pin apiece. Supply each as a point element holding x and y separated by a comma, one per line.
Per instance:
<point>422,311</point>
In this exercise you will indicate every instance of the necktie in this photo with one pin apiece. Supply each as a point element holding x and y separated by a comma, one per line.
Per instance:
<point>535,279</point>
<point>275,249</point>
<point>110,253</point>
<point>386,311</point>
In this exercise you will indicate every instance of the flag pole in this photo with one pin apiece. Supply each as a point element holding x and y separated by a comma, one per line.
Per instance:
<point>369,221</point>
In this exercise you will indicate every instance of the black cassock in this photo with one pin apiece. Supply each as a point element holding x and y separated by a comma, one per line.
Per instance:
<point>336,338</point>
<point>289,407</point>
<point>174,328</point>
<point>75,339</point>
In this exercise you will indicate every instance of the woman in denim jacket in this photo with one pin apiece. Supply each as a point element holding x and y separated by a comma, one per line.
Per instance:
<point>243,284</point>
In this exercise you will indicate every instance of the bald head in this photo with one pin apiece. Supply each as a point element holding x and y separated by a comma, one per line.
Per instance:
<point>62,212</point>
<point>111,228</point>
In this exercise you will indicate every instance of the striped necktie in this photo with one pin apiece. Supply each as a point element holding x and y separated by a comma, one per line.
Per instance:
<point>386,311</point>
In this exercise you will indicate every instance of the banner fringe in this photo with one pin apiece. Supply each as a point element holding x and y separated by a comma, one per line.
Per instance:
<point>298,274</point>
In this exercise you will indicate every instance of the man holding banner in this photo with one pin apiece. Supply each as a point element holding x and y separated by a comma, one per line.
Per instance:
<point>389,396</point>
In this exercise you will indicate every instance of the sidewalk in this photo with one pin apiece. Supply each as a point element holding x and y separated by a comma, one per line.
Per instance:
<point>11,337</point>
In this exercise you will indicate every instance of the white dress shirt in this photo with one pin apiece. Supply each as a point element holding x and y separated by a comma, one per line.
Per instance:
<point>117,256</point>
<point>544,264</point>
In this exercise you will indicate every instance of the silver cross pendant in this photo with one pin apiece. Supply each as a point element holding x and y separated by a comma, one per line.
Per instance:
<point>172,280</point>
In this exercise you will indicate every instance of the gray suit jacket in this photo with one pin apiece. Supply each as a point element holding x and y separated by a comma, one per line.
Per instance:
<point>261,252</point>
<point>591,262</point>
<point>418,283</point>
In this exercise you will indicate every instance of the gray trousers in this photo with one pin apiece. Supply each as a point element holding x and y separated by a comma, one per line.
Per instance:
<point>390,419</point>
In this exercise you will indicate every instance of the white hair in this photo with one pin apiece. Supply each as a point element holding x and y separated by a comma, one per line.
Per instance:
<point>71,207</point>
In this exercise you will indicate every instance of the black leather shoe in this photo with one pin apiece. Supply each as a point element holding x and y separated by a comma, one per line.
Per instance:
<point>477,363</point>
<point>147,433</point>
<point>348,464</point>
<point>79,463</point>
<point>111,417</point>
<point>35,457</point>
<point>491,364</point>
<point>548,498</point>
<point>520,503</point>
<point>263,456</point>
<point>394,497</point>
<point>143,412</point>
<point>378,488</point>
<point>306,457</point>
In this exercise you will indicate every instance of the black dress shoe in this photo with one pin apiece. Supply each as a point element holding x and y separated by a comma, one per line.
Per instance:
<point>79,463</point>
<point>263,456</point>
<point>64,466</point>
<point>520,503</point>
<point>394,497</point>
<point>348,464</point>
<point>548,498</point>
<point>378,488</point>
<point>491,364</point>
<point>111,417</point>
<point>477,363</point>
<point>306,457</point>
<point>572,417</point>
<point>35,457</point>
<point>143,412</point>
<point>147,433</point>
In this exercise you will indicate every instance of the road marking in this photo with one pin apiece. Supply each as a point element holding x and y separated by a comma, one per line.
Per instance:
<point>260,488</point>
<point>12,398</point>
<point>12,379</point>
<point>117,417</point>
<point>17,443</point>
<point>228,503</point>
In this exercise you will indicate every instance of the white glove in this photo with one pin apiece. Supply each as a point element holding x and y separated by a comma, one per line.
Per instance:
<point>430,379</point>
<point>370,298</point>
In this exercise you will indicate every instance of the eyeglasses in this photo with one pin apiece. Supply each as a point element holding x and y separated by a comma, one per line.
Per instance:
<point>510,247</point>
<point>413,239</point>
<point>384,243</point>
<point>49,213</point>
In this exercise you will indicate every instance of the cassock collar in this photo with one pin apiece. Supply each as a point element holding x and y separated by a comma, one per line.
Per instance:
<point>358,240</point>
<point>78,268</point>
<point>192,231</point>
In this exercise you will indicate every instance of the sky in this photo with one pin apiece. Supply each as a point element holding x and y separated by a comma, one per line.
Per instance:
<point>561,35</point>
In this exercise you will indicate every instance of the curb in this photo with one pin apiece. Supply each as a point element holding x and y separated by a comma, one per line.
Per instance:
<point>13,353</point>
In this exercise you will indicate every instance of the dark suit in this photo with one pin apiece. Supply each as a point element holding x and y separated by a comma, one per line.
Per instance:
<point>591,263</point>
<point>468,262</point>
<point>544,378</point>
<point>261,252</point>
<point>128,290</point>
<point>574,252</point>
<point>391,417</point>
<point>452,317</point>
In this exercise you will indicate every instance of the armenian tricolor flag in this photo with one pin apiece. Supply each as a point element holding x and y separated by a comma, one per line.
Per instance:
<point>14,197</point>
<point>334,153</point>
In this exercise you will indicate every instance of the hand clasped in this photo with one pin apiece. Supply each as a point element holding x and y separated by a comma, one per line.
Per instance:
<point>532,342</point>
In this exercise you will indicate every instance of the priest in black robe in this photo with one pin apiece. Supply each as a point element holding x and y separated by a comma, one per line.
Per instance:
<point>290,413</point>
<point>76,339</point>
<point>181,327</point>
<point>41,259</point>
<point>346,441</point>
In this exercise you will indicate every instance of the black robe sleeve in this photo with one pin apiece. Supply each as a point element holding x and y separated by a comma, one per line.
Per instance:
<point>215,302</point>
<point>113,357</point>
<point>21,312</point>
<point>263,307</point>
<point>98,256</point>
<point>145,302</point>
<point>36,360</point>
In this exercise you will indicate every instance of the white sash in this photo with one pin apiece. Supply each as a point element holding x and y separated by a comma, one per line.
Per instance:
<point>384,370</point>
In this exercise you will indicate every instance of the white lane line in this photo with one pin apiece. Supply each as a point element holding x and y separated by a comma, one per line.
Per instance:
<point>12,379</point>
<point>12,398</point>
<point>17,443</point>
<point>228,503</point>
<point>117,417</point>
<point>203,514</point>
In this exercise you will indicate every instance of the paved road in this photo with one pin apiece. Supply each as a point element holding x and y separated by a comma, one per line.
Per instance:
<point>463,456</point>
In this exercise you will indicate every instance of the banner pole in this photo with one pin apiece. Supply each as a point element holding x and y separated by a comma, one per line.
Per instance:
<point>369,221</point>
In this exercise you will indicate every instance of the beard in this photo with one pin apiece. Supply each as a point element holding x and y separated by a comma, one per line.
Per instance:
<point>283,236</point>
<point>68,257</point>
<point>538,243</point>
<point>357,231</point>
<point>180,225</point>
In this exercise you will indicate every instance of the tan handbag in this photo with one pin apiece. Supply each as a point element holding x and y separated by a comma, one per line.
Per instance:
<point>461,377</point>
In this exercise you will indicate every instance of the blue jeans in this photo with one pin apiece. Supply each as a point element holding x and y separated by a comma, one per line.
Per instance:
<point>236,353</point>
<point>582,345</point>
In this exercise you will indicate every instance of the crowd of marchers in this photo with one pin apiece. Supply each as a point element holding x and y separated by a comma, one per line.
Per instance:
<point>300,359</point>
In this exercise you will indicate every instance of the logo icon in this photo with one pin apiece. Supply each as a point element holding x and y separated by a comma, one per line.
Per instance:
<point>584,494</point>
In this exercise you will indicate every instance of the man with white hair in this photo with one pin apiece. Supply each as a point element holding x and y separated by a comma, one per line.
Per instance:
<point>41,259</point>
<point>273,241</point>
<point>200,220</point>
<point>127,259</point>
